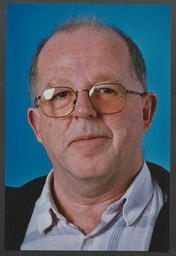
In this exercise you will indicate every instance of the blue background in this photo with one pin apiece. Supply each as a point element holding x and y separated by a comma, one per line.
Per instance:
<point>28,24</point>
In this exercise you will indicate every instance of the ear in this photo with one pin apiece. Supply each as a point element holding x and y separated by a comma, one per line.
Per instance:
<point>34,121</point>
<point>149,108</point>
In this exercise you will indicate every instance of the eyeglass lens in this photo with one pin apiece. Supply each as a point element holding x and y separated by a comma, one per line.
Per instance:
<point>105,98</point>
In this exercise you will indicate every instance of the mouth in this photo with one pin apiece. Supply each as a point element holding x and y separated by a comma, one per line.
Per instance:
<point>88,139</point>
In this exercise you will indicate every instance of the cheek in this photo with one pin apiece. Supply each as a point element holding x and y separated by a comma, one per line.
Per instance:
<point>118,128</point>
<point>53,132</point>
<point>127,129</point>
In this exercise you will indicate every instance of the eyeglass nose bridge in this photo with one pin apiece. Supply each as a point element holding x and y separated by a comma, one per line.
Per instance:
<point>77,91</point>
<point>82,90</point>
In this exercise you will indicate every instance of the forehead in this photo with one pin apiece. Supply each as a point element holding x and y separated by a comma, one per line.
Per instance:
<point>94,48</point>
<point>85,36</point>
<point>64,43</point>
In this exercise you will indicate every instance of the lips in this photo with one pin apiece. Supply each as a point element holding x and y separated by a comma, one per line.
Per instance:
<point>87,137</point>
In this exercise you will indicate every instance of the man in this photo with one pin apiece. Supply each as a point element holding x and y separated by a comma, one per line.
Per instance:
<point>92,109</point>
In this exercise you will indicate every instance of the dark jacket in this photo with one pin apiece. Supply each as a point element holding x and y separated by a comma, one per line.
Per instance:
<point>20,204</point>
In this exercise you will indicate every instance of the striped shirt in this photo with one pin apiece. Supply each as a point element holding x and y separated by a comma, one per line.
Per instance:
<point>126,225</point>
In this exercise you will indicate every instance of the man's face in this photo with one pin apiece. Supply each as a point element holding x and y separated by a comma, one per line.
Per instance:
<point>87,144</point>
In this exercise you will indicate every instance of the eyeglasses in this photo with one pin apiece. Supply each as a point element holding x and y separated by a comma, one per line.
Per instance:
<point>106,98</point>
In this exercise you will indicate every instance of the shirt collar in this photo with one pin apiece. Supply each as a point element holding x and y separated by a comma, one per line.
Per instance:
<point>46,209</point>
<point>138,196</point>
<point>134,200</point>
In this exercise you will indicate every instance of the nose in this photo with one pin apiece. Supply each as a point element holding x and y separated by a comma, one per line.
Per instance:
<point>83,107</point>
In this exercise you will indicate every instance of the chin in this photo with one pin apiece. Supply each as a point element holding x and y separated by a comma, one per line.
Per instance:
<point>87,172</point>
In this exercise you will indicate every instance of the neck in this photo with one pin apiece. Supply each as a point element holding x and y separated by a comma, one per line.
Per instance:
<point>84,209</point>
<point>83,202</point>
<point>95,189</point>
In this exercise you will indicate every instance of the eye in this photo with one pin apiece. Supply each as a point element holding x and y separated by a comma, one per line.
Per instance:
<point>107,91</point>
<point>62,94</point>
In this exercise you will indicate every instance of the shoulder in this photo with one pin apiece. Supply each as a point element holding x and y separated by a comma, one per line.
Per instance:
<point>161,176</point>
<point>19,205</point>
<point>24,196</point>
<point>161,228</point>
<point>32,188</point>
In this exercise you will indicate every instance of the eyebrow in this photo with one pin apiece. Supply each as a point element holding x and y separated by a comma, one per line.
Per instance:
<point>60,81</point>
<point>103,78</point>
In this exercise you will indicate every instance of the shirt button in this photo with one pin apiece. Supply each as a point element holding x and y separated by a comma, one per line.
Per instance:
<point>89,241</point>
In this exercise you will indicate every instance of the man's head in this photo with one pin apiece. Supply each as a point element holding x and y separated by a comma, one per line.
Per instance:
<point>88,144</point>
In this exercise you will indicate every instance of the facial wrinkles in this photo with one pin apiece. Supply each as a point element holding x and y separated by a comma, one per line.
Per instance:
<point>78,76</point>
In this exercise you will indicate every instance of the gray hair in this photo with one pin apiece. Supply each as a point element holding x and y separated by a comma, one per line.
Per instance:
<point>94,22</point>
